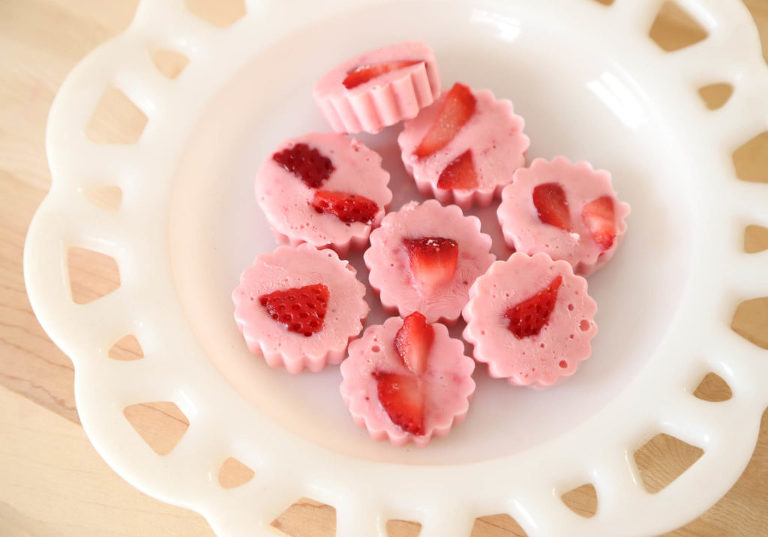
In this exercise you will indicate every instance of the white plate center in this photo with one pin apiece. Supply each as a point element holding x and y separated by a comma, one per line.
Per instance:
<point>576,102</point>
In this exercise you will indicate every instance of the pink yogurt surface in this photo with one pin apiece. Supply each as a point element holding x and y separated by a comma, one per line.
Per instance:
<point>289,267</point>
<point>383,100</point>
<point>553,353</point>
<point>494,133</point>
<point>526,233</point>
<point>286,199</point>
<point>447,383</point>
<point>390,271</point>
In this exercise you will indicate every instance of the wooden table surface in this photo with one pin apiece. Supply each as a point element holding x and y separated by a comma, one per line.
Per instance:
<point>52,482</point>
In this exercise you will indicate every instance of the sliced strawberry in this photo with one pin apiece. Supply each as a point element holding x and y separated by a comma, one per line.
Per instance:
<point>549,200</point>
<point>433,260</point>
<point>402,399</point>
<point>531,315</point>
<point>600,218</point>
<point>459,174</point>
<point>300,309</point>
<point>364,73</point>
<point>458,107</point>
<point>306,163</point>
<point>413,341</point>
<point>346,207</point>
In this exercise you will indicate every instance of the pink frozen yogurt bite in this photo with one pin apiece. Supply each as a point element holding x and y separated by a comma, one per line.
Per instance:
<point>569,211</point>
<point>530,319</point>
<point>323,189</point>
<point>299,307</point>
<point>464,148</point>
<point>425,257</point>
<point>407,380</point>
<point>379,88</point>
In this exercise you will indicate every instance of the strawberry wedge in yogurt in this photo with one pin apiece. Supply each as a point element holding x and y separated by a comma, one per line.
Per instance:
<point>298,307</point>
<point>425,257</point>
<point>464,148</point>
<point>407,380</point>
<point>569,211</point>
<point>323,189</point>
<point>379,88</point>
<point>530,319</point>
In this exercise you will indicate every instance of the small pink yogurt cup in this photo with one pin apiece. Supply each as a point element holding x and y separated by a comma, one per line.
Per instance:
<point>315,166</point>
<point>444,388</point>
<point>566,210</point>
<point>530,319</point>
<point>489,146</point>
<point>378,88</point>
<point>299,277</point>
<point>393,269</point>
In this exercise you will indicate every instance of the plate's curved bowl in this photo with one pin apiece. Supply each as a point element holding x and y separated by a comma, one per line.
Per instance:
<point>186,226</point>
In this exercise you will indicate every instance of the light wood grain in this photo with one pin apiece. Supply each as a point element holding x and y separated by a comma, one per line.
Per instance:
<point>51,480</point>
<point>54,483</point>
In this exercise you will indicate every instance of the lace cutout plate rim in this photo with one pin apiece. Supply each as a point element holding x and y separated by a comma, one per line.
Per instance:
<point>365,493</point>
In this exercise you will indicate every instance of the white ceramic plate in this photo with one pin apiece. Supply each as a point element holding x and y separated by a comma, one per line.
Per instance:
<point>591,85</point>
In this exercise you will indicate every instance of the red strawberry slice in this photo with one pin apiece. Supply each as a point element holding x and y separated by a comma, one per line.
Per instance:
<point>364,73</point>
<point>306,163</point>
<point>433,260</point>
<point>402,399</point>
<point>458,107</point>
<point>531,315</point>
<point>413,341</point>
<point>552,206</point>
<point>346,207</point>
<point>459,174</point>
<point>299,309</point>
<point>600,218</point>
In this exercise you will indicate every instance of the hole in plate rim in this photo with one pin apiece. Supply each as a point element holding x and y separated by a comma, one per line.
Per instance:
<point>108,197</point>
<point>91,274</point>
<point>716,95</point>
<point>234,473</point>
<point>116,119</point>
<point>126,349</point>
<point>170,62</point>
<point>674,28</point>
<point>396,527</point>
<point>662,459</point>
<point>750,159</point>
<point>499,522</point>
<point>750,320</point>
<point>302,511</point>
<point>160,424</point>
<point>582,500</point>
<point>713,388</point>
<point>755,239</point>
<point>218,13</point>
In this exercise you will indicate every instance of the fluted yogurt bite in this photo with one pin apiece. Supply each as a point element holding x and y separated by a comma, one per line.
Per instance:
<point>425,257</point>
<point>323,189</point>
<point>531,320</point>
<point>567,210</point>
<point>378,88</point>
<point>407,380</point>
<point>298,307</point>
<point>464,148</point>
